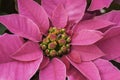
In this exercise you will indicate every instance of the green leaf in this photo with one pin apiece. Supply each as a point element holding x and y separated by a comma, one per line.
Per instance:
<point>2,29</point>
<point>113,6</point>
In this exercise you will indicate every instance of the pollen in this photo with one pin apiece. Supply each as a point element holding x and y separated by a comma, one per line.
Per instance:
<point>56,43</point>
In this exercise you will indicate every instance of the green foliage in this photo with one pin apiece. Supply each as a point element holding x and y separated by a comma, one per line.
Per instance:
<point>2,29</point>
<point>113,6</point>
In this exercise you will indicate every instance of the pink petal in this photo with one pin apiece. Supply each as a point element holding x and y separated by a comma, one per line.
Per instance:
<point>22,26</point>
<point>11,69</point>
<point>112,32</point>
<point>74,8</point>
<point>66,62</point>
<point>35,12</point>
<point>74,55</point>
<point>8,45</point>
<point>86,53</point>
<point>45,62</point>
<point>59,17</point>
<point>107,70</point>
<point>117,59</point>
<point>113,16</point>
<point>86,37</point>
<point>18,70</point>
<point>102,3</point>
<point>74,74</point>
<point>88,16</point>
<point>54,71</point>
<point>87,69</point>
<point>28,52</point>
<point>110,44</point>
<point>50,5</point>
<point>93,24</point>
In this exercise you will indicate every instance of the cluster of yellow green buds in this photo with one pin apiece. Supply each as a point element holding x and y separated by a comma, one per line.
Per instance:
<point>56,43</point>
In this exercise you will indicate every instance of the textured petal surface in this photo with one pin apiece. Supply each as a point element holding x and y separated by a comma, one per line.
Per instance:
<point>85,53</point>
<point>74,8</point>
<point>107,70</point>
<point>18,70</point>
<point>117,59</point>
<point>28,52</point>
<point>88,16</point>
<point>113,16</point>
<point>74,74</point>
<point>66,62</point>
<point>102,3</point>
<point>93,24</point>
<point>59,17</point>
<point>35,12</point>
<point>45,62</point>
<point>11,69</point>
<point>74,55</point>
<point>50,5</point>
<point>112,32</point>
<point>54,71</point>
<point>8,45</point>
<point>86,37</point>
<point>110,44</point>
<point>22,26</point>
<point>87,69</point>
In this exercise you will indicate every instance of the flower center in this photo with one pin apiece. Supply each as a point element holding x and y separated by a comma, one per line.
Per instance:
<point>56,43</point>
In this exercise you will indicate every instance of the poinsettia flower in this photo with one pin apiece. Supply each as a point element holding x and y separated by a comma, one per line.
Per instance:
<point>102,4</point>
<point>110,43</point>
<point>53,48</point>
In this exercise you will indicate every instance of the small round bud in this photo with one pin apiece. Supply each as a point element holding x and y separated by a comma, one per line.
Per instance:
<point>62,42</point>
<point>68,50</point>
<point>52,37</point>
<point>68,39</point>
<point>56,31</point>
<point>53,53</point>
<point>45,41</point>
<point>62,30</point>
<point>64,48</point>
<point>64,36</point>
<point>47,51</point>
<point>51,30</point>
<point>52,45</point>
<point>68,45</point>
<point>60,52</point>
<point>54,28</point>
<point>43,47</point>
<point>41,44</point>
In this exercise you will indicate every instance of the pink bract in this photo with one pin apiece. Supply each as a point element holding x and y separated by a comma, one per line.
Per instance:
<point>110,43</point>
<point>99,4</point>
<point>21,59</point>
